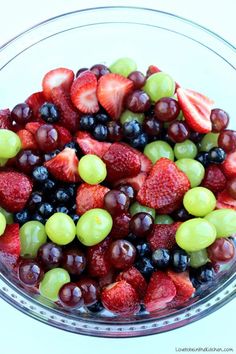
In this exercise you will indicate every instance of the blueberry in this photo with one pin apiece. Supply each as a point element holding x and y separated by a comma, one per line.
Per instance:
<point>71,190</point>
<point>72,145</point>
<point>38,217</point>
<point>140,142</point>
<point>51,155</point>
<point>46,209</point>
<point>80,71</point>
<point>75,218</point>
<point>100,132</point>
<point>166,138</point>
<point>205,273</point>
<point>102,118</point>
<point>216,155</point>
<point>95,308</point>
<point>180,260</point>
<point>181,215</point>
<point>36,198</point>
<point>62,209</point>
<point>40,174</point>
<point>22,217</point>
<point>62,195</point>
<point>161,258</point>
<point>49,113</point>
<point>132,129</point>
<point>143,249</point>
<point>73,208</point>
<point>49,185</point>
<point>145,266</point>
<point>202,157</point>
<point>87,122</point>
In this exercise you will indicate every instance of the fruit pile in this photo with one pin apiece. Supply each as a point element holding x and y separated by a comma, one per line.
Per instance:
<point>117,190</point>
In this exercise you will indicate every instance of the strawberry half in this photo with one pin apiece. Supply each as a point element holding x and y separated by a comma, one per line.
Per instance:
<point>69,117</point>
<point>90,197</point>
<point>5,119</point>
<point>10,246</point>
<point>60,77</point>
<point>111,92</point>
<point>121,162</point>
<point>35,101</point>
<point>135,182</point>
<point>83,92</point>
<point>15,189</point>
<point>134,278</point>
<point>98,264</point>
<point>163,236</point>
<point>225,201</point>
<point>160,291</point>
<point>229,165</point>
<point>214,179</point>
<point>196,109</point>
<point>91,146</point>
<point>184,287</point>
<point>28,141</point>
<point>165,185</point>
<point>64,166</point>
<point>120,298</point>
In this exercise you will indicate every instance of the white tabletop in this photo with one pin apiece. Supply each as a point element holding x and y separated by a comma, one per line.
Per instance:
<point>20,334</point>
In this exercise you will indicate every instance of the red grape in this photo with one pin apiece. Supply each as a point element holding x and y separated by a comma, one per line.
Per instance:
<point>99,70</point>
<point>121,254</point>
<point>167,109</point>
<point>138,101</point>
<point>219,119</point>
<point>114,131</point>
<point>27,160</point>
<point>152,126</point>
<point>116,202</point>
<point>90,290</point>
<point>21,113</point>
<point>222,250</point>
<point>47,138</point>
<point>71,295</point>
<point>30,272</point>
<point>227,140</point>
<point>74,261</point>
<point>141,224</point>
<point>50,255</point>
<point>128,190</point>
<point>138,79</point>
<point>178,131</point>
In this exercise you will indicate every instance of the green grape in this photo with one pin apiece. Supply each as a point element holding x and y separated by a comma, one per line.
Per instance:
<point>157,149</point>
<point>164,219</point>
<point>180,116</point>
<point>8,216</point>
<point>159,85</point>
<point>195,235</point>
<point>199,201</point>
<point>10,144</point>
<point>3,224</point>
<point>60,228</point>
<point>92,169</point>
<point>138,208</point>
<point>128,116</point>
<point>32,236</point>
<point>185,150</point>
<point>224,221</point>
<point>198,258</point>
<point>52,282</point>
<point>209,141</point>
<point>94,226</point>
<point>193,169</point>
<point>3,162</point>
<point>123,66</point>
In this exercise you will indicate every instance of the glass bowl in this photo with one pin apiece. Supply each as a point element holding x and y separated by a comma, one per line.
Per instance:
<point>196,57</point>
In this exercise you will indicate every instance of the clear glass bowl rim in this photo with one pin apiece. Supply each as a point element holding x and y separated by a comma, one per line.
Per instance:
<point>28,305</point>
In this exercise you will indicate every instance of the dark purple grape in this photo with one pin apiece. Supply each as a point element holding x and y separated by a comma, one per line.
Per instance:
<point>141,224</point>
<point>71,295</point>
<point>138,101</point>
<point>116,202</point>
<point>47,138</point>
<point>90,290</point>
<point>115,132</point>
<point>178,131</point>
<point>30,272</point>
<point>100,70</point>
<point>152,126</point>
<point>121,254</point>
<point>74,261</point>
<point>167,109</point>
<point>50,255</point>
<point>21,113</point>
<point>27,160</point>
<point>138,79</point>
<point>128,190</point>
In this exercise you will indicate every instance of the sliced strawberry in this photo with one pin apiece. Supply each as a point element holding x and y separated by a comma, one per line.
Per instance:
<point>91,146</point>
<point>111,92</point>
<point>184,287</point>
<point>90,197</point>
<point>83,92</point>
<point>120,227</point>
<point>165,185</point>
<point>121,161</point>
<point>146,164</point>
<point>152,69</point>
<point>225,201</point>
<point>136,182</point>
<point>196,109</point>
<point>64,136</point>
<point>60,77</point>
<point>163,236</point>
<point>229,165</point>
<point>134,278</point>
<point>28,141</point>
<point>32,127</point>
<point>214,179</point>
<point>15,189</point>
<point>170,208</point>
<point>5,119</point>
<point>98,264</point>
<point>10,246</point>
<point>69,117</point>
<point>160,291</point>
<point>35,101</point>
<point>64,166</point>
<point>120,298</point>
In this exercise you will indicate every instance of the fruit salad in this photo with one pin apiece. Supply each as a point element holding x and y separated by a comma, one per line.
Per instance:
<point>117,190</point>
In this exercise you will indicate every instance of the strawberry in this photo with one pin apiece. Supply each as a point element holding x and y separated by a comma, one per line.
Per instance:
<point>136,182</point>
<point>214,179</point>
<point>60,77</point>
<point>5,119</point>
<point>28,141</point>
<point>184,287</point>
<point>111,92</point>
<point>160,291</point>
<point>10,246</point>
<point>170,208</point>
<point>163,236</point>
<point>120,227</point>
<point>152,69</point>
<point>64,136</point>
<point>15,189</point>
<point>83,92</point>
<point>120,298</point>
<point>98,264</point>
<point>32,127</point>
<point>90,197</point>
<point>165,185</point>
<point>69,117</point>
<point>121,161</point>
<point>196,109</point>
<point>225,201</point>
<point>64,166</point>
<point>134,278</point>
<point>35,101</point>
<point>91,146</point>
<point>146,164</point>
<point>229,165</point>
